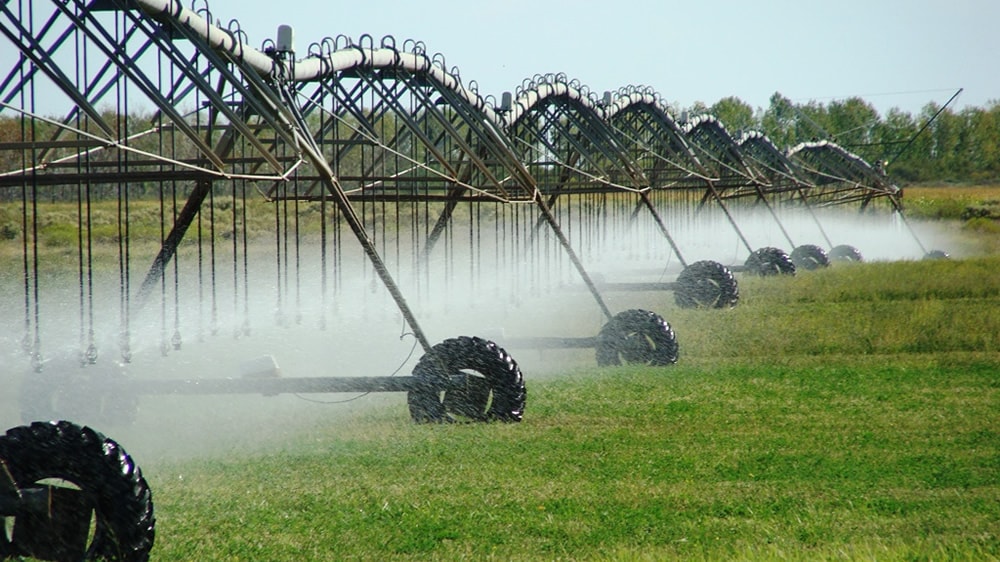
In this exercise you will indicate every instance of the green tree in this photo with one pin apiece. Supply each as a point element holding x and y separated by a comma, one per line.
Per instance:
<point>945,142</point>
<point>734,113</point>
<point>811,123</point>
<point>980,142</point>
<point>892,138</point>
<point>697,108</point>
<point>778,121</point>
<point>851,124</point>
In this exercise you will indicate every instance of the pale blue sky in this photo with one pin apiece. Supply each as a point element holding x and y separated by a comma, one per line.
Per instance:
<point>893,53</point>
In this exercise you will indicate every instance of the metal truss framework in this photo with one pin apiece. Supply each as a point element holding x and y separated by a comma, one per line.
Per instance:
<point>122,96</point>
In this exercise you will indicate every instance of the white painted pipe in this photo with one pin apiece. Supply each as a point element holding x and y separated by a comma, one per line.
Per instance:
<point>312,68</point>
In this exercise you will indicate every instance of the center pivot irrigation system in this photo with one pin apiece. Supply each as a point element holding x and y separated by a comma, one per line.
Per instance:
<point>165,112</point>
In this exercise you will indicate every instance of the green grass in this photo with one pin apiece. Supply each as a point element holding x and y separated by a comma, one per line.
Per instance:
<point>844,414</point>
<point>877,308</point>
<point>887,457</point>
<point>946,202</point>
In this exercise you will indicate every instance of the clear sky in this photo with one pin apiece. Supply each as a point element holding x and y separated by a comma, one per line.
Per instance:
<point>892,53</point>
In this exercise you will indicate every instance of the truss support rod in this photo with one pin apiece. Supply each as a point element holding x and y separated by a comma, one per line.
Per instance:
<point>551,219</point>
<point>183,221</point>
<point>340,198</point>
<point>812,213</point>
<point>560,187</point>
<point>439,227</point>
<point>774,215</point>
<point>315,156</point>
<point>449,209</point>
<point>644,197</point>
<point>725,210</point>
<point>902,216</point>
<point>922,129</point>
<point>169,247</point>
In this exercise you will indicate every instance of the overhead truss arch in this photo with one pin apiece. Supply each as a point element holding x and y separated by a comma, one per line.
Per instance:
<point>139,98</point>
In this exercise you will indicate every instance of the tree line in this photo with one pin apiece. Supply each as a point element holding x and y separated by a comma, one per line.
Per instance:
<point>938,145</point>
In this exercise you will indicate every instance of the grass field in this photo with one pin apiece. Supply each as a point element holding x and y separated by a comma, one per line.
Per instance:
<point>886,457</point>
<point>808,423</point>
<point>851,413</point>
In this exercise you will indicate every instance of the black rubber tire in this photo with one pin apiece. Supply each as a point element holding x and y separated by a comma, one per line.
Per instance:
<point>637,337</point>
<point>769,261</point>
<point>809,257</point>
<point>494,388</point>
<point>107,476</point>
<point>93,395</point>
<point>937,255</point>
<point>845,253</point>
<point>706,284</point>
